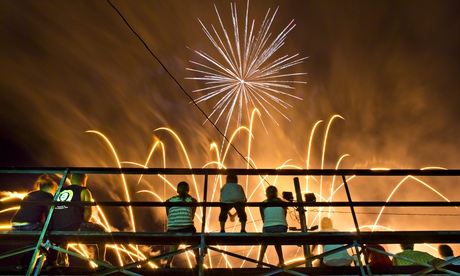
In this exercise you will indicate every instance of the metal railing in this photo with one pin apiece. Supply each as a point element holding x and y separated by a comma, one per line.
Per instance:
<point>204,240</point>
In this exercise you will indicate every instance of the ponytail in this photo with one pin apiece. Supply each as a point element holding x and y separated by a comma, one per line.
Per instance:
<point>272,194</point>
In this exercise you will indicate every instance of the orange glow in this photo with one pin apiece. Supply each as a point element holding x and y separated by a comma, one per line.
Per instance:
<point>9,209</point>
<point>122,175</point>
<point>11,195</point>
<point>5,226</point>
<point>254,188</point>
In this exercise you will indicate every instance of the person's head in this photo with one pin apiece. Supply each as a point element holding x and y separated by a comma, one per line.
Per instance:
<point>373,255</point>
<point>183,189</point>
<point>46,184</point>
<point>326,223</point>
<point>271,193</point>
<point>79,179</point>
<point>40,180</point>
<point>232,178</point>
<point>445,251</point>
<point>407,246</point>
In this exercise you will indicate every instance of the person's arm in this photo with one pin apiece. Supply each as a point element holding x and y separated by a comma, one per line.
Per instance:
<point>261,209</point>
<point>167,207</point>
<point>222,193</point>
<point>284,208</point>
<point>243,195</point>
<point>193,208</point>
<point>87,211</point>
<point>47,208</point>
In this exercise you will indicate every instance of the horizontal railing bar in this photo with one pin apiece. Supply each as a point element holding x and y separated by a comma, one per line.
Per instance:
<point>208,171</point>
<point>249,204</point>
<point>289,238</point>
<point>347,270</point>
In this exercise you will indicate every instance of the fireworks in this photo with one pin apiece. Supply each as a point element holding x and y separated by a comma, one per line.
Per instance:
<point>245,74</point>
<point>254,190</point>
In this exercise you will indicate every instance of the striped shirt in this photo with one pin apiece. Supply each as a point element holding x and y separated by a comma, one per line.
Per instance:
<point>180,216</point>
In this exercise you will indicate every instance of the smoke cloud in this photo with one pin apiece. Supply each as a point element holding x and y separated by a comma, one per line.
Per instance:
<point>389,69</point>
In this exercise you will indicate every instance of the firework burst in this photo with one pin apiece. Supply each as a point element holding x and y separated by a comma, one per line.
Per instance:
<point>245,75</point>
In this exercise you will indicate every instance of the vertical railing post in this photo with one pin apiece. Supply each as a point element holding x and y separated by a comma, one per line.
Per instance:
<point>205,195</point>
<point>45,228</point>
<point>303,222</point>
<point>203,226</point>
<point>355,220</point>
<point>358,260</point>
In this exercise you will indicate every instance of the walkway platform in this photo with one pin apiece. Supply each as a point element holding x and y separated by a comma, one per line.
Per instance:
<point>392,270</point>
<point>233,239</point>
<point>42,241</point>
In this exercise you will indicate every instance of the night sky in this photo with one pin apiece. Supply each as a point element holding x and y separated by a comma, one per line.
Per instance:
<point>390,68</point>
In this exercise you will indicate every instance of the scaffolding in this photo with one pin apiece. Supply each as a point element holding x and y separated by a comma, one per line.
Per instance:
<point>46,240</point>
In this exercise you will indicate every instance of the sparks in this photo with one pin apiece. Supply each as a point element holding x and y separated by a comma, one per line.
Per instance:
<point>244,75</point>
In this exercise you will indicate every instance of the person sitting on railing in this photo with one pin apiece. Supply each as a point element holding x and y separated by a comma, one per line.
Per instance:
<point>377,258</point>
<point>180,218</point>
<point>74,217</point>
<point>341,258</point>
<point>31,217</point>
<point>274,218</point>
<point>233,194</point>
<point>447,254</point>
<point>415,257</point>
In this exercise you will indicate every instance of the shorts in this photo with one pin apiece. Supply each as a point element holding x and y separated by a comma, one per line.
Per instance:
<point>91,227</point>
<point>187,229</point>
<point>275,229</point>
<point>32,226</point>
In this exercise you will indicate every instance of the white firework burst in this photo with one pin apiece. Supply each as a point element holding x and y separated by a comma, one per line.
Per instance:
<point>246,76</point>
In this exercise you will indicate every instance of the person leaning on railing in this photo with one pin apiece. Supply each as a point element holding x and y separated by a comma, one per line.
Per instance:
<point>74,217</point>
<point>274,218</point>
<point>377,258</point>
<point>415,257</point>
<point>180,218</point>
<point>30,217</point>
<point>341,258</point>
<point>447,254</point>
<point>232,194</point>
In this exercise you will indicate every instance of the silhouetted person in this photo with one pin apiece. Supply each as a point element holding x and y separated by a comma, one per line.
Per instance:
<point>416,257</point>
<point>377,258</point>
<point>341,258</point>
<point>233,195</point>
<point>274,218</point>
<point>74,217</point>
<point>447,254</point>
<point>180,218</point>
<point>31,217</point>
